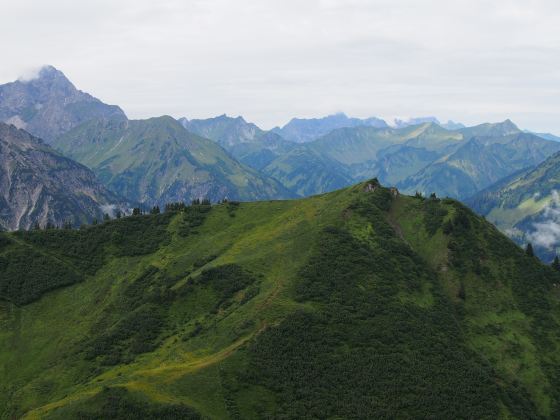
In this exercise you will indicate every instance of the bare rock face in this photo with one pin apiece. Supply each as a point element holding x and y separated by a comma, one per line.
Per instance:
<point>49,105</point>
<point>39,185</point>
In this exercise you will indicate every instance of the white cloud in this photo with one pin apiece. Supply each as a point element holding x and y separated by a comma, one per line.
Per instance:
<point>109,209</point>
<point>547,233</point>
<point>465,60</point>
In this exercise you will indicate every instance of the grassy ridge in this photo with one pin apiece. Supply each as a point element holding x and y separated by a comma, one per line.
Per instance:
<point>354,303</point>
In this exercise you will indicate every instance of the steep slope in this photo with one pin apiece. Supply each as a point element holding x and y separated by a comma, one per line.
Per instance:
<point>158,161</point>
<point>49,105</point>
<point>38,185</point>
<point>307,172</point>
<point>302,130</point>
<point>358,303</point>
<point>244,141</point>
<point>480,162</point>
<point>526,206</point>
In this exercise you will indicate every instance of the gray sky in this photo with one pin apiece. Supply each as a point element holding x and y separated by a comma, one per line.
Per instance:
<point>269,60</point>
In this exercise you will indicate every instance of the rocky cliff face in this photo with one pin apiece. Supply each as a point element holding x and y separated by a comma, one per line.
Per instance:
<point>39,185</point>
<point>50,105</point>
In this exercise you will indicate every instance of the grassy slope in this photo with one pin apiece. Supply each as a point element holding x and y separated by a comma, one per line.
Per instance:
<point>157,160</point>
<point>495,349</point>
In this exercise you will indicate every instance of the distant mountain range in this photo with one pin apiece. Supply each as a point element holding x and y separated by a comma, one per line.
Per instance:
<point>425,157</point>
<point>39,185</point>
<point>158,160</point>
<point>301,130</point>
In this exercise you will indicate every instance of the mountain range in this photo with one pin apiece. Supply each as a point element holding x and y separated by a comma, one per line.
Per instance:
<point>156,161</point>
<point>425,158</point>
<point>361,303</point>
<point>160,160</point>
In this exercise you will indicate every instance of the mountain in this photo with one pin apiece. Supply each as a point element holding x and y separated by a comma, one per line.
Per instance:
<point>49,105</point>
<point>452,125</point>
<point>354,146</point>
<point>494,151</point>
<point>301,130</point>
<point>347,155</point>
<point>224,130</point>
<point>402,123</point>
<point>301,170</point>
<point>504,128</point>
<point>244,141</point>
<point>361,303</point>
<point>306,172</point>
<point>526,206</point>
<point>39,185</point>
<point>158,161</point>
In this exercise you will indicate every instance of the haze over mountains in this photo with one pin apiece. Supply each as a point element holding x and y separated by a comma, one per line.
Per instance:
<point>159,160</point>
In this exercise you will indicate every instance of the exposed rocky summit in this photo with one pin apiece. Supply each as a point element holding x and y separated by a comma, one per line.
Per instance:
<point>50,105</point>
<point>39,185</point>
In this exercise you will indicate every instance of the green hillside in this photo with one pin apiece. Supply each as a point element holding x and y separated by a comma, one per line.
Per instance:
<point>357,303</point>
<point>158,161</point>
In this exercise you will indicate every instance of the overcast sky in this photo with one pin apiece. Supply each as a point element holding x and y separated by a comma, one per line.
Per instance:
<point>269,60</point>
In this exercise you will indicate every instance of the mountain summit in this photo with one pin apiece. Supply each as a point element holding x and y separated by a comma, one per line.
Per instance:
<point>49,105</point>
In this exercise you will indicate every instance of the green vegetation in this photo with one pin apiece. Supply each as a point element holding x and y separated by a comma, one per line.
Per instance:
<point>118,403</point>
<point>357,303</point>
<point>158,161</point>
<point>35,261</point>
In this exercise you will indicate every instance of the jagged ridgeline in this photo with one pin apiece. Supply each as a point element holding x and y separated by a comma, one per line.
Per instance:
<point>361,303</point>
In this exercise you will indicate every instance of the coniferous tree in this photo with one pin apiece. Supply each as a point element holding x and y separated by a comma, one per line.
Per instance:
<point>155,210</point>
<point>118,215</point>
<point>136,211</point>
<point>529,250</point>
<point>106,217</point>
<point>556,263</point>
<point>462,295</point>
